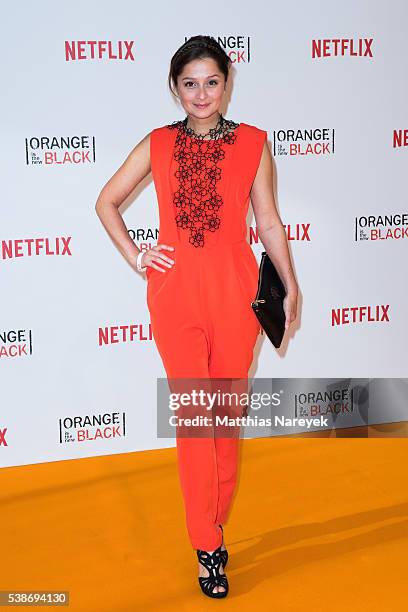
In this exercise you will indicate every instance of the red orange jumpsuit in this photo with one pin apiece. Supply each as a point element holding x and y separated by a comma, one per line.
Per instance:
<point>201,316</point>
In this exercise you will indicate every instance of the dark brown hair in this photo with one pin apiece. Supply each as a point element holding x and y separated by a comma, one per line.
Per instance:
<point>197,47</point>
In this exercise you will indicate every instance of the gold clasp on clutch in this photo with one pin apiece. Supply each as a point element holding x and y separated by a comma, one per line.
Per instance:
<point>259,302</point>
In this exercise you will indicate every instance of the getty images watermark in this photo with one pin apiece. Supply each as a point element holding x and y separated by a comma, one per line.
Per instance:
<point>262,407</point>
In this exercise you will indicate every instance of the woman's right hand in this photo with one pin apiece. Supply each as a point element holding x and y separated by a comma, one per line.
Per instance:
<point>153,257</point>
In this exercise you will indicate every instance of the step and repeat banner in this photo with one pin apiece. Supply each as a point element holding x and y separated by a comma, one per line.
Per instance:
<point>82,84</point>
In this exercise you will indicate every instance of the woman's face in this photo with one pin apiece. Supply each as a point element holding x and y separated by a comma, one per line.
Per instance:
<point>200,87</point>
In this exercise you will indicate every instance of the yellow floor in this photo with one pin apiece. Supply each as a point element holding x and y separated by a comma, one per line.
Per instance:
<point>317,524</point>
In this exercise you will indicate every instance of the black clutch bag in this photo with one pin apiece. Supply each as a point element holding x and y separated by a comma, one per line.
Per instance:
<point>268,304</point>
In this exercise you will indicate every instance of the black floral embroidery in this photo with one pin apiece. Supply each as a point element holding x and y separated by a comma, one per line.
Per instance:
<point>196,199</point>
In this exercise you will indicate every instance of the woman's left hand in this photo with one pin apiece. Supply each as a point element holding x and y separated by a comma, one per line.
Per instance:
<point>290,308</point>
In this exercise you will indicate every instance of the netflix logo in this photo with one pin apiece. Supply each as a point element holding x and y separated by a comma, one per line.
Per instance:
<point>98,50</point>
<point>360,314</point>
<point>341,47</point>
<point>33,247</point>
<point>400,138</point>
<point>122,334</point>
<point>3,441</point>
<point>298,232</point>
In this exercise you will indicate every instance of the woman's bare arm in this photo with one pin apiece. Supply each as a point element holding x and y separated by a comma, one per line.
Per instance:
<point>270,227</point>
<point>133,170</point>
<point>272,232</point>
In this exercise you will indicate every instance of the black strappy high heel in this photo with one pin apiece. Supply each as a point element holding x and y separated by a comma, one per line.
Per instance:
<point>224,553</point>
<point>212,562</point>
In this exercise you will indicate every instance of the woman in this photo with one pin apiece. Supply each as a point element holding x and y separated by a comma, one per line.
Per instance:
<point>202,275</point>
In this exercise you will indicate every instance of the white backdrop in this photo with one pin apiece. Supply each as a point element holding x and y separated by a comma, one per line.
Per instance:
<point>55,308</point>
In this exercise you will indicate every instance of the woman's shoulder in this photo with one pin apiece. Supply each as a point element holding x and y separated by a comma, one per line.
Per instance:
<point>161,136</point>
<point>164,133</point>
<point>253,129</point>
<point>252,136</point>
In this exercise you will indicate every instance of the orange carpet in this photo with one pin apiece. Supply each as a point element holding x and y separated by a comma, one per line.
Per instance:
<point>316,524</point>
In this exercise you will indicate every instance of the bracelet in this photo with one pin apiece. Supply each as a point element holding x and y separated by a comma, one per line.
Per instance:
<point>138,264</point>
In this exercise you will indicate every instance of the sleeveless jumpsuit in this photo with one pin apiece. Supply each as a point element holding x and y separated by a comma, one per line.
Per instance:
<point>201,316</point>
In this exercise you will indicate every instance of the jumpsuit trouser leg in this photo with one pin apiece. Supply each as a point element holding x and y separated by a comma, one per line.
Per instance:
<point>217,342</point>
